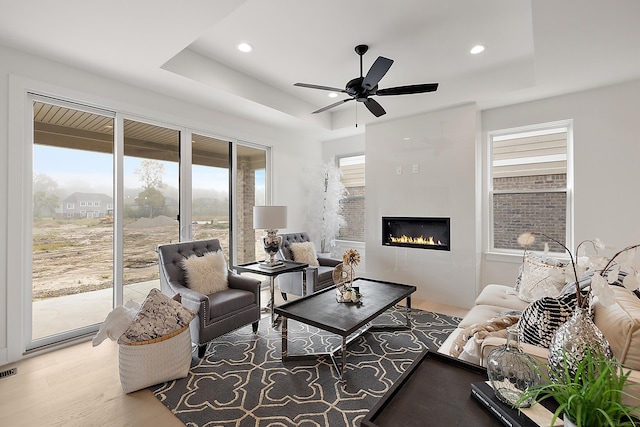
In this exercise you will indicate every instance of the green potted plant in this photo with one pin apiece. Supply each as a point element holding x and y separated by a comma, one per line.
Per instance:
<point>592,397</point>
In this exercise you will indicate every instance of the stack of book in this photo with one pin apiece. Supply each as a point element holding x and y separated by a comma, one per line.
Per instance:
<point>535,416</point>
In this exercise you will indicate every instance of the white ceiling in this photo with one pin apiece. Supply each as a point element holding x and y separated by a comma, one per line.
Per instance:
<point>187,49</point>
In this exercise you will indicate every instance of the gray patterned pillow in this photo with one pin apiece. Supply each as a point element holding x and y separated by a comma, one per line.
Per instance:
<point>158,316</point>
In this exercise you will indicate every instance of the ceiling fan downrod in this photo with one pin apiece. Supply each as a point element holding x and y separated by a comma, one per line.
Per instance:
<point>361,49</point>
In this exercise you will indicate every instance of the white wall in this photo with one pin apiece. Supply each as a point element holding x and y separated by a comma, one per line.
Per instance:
<point>20,72</point>
<point>443,145</point>
<point>606,152</point>
<point>350,145</point>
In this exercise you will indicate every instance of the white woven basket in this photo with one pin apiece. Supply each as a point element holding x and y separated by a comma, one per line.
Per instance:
<point>145,364</point>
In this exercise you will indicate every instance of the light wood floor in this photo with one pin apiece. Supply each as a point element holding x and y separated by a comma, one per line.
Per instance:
<point>80,386</point>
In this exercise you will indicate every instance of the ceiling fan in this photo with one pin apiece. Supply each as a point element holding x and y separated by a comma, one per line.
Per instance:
<point>361,88</point>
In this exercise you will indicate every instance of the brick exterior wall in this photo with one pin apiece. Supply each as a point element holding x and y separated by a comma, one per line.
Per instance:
<point>353,213</point>
<point>514,214</point>
<point>246,196</point>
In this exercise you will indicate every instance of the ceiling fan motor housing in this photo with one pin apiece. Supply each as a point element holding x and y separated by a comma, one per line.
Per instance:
<point>357,90</point>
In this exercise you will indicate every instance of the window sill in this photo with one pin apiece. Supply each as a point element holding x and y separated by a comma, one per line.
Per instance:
<point>516,258</point>
<point>503,257</point>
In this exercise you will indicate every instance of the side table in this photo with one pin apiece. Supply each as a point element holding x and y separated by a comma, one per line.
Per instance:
<point>256,268</point>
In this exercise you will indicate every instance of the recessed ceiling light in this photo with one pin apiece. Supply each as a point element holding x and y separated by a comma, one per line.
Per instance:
<point>245,47</point>
<point>477,49</point>
<point>333,95</point>
<point>406,138</point>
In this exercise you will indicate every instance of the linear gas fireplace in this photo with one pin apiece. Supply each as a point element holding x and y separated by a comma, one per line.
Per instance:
<point>416,232</point>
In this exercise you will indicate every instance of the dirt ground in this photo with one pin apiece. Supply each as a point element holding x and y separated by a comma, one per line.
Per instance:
<point>74,256</point>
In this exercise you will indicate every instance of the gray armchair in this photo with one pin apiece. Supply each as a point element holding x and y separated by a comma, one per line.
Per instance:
<point>305,282</point>
<point>218,313</point>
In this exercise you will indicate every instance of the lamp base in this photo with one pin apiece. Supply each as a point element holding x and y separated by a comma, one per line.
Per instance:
<point>271,243</point>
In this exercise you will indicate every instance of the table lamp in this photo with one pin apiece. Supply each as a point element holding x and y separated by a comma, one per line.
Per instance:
<point>270,219</point>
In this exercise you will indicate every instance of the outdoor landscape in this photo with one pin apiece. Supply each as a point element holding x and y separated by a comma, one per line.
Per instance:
<point>89,243</point>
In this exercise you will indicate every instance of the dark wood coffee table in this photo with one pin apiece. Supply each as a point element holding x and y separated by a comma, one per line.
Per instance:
<point>436,391</point>
<point>348,320</point>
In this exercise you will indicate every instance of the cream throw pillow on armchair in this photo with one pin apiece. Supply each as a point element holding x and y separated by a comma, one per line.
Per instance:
<point>206,274</point>
<point>305,252</point>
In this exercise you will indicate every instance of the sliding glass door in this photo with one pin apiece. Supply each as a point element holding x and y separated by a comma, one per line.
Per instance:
<point>72,220</point>
<point>106,191</point>
<point>210,178</point>
<point>151,203</point>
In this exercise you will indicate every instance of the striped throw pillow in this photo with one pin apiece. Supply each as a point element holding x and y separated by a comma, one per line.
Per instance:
<point>542,318</point>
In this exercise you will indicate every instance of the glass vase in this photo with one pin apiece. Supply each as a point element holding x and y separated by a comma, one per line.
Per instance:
<point>512,372</point>
<point>574,338</point>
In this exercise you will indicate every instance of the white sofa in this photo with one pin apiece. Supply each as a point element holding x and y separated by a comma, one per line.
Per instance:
<point>620,324</point>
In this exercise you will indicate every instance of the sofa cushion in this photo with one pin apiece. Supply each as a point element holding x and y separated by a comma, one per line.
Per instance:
<point>225,302</point>
<point>620,324</point>
<point>501,296</point>
<point>206,274</point>
<point>305,252</point>
<point>540,321</point>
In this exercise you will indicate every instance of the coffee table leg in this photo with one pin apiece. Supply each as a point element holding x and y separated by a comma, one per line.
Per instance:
<point>408,313</point>
<point>284,338</point>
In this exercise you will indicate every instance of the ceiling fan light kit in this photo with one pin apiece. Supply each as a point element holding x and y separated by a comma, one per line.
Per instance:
<point>362,88</point>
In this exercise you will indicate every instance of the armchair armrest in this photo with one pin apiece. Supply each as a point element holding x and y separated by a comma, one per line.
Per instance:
<point>245,283</point>
<point>328,262</point>
<point>190,298</point>
<point>310,280</point>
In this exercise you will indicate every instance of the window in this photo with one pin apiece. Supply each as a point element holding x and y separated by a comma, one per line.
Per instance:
<point>530,186</point>
<point>71,206</point>
<point>352,169</point>
<point>83,203</point>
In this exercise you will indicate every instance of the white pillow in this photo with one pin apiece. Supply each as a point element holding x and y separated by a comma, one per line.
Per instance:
<point>539,280</point>
<point>305,252</point>
<point>206,274</point>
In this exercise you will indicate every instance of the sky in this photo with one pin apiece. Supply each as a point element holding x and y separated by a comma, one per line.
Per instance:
<point>89,171</point>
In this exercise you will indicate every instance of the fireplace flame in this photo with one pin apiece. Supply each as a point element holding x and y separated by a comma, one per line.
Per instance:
<point>427,241</point>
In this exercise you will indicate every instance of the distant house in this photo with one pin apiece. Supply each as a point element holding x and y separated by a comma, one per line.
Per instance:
<point>85,205</point>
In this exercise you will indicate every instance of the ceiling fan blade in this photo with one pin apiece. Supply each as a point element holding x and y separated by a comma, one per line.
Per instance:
<point>377,72</point>
<point>408,90</point>
<point>375,108</point>
<point>310,86</point>
<point>335,104</point>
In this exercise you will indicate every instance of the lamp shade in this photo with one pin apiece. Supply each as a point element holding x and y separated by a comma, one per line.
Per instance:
<point>269,217</point>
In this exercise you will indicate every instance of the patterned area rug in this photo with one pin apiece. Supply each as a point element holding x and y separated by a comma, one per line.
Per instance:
<point>242,381</point>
